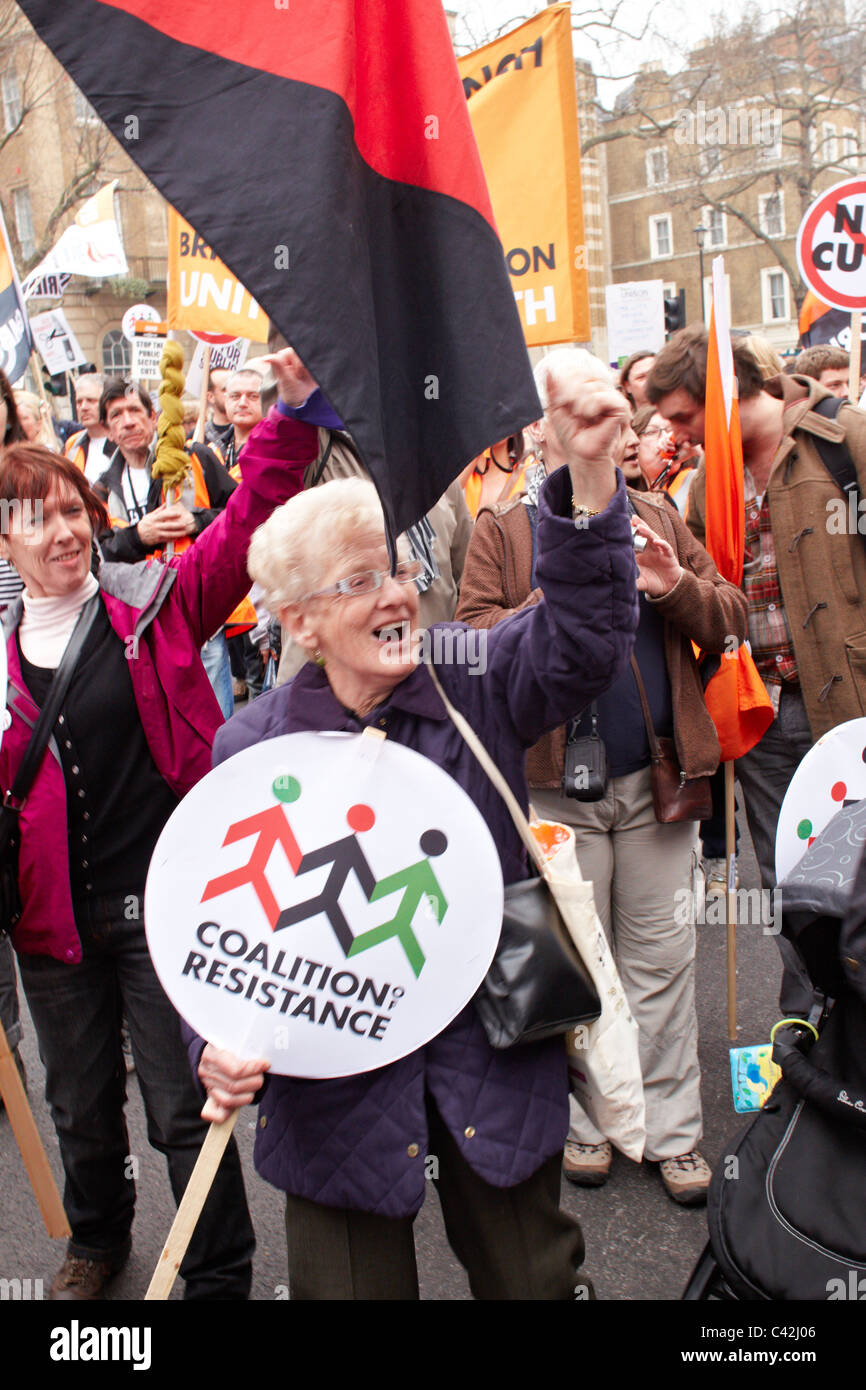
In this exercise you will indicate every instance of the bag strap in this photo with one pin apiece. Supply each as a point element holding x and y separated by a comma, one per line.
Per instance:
<point>51,709</point>
<point>835,454</point>
<point>644,704</point>
<point>522,824</point>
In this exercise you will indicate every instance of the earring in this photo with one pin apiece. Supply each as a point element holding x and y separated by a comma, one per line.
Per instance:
<point>318,658</point>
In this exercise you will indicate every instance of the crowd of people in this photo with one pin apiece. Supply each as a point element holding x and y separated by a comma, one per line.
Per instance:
<point>577,545</point>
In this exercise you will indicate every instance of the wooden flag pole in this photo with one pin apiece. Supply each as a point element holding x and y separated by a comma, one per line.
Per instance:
<point>190,1208</point>
<point>198,437</point>
<point>731,858</point>
<point>28,1141</point>
<point>854,356</point>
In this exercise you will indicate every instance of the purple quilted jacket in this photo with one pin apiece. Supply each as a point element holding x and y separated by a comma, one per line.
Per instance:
<point>361,1141</point>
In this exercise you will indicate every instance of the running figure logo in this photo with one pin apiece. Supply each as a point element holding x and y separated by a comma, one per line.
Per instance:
<point>272,827</point>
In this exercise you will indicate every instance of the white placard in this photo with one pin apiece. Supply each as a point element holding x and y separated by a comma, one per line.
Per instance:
<point>327,901</point>
<point>57,344</point>
<point>831,776</point>
<point>139,313</point>
<point>232,355</point>
<point>147,349</point>
<point>830,250</point>
<point>635,317</point>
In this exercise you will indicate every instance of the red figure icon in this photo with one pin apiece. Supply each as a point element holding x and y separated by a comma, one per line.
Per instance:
<point>272,828</point>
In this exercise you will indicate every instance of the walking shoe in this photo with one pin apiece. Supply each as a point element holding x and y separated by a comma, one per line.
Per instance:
<point>239,688</point>
<point>587,1164</point>
<point>686,1178</point>
<point>79,1279</point>
<point>716,876</point>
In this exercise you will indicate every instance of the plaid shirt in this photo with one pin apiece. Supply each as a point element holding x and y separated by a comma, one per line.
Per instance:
<point>769,634</point>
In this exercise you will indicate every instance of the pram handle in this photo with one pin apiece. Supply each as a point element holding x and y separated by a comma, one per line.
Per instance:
<point>829,1093</point>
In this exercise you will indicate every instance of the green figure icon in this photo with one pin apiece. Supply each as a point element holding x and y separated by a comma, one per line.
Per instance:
<point>418,881</point>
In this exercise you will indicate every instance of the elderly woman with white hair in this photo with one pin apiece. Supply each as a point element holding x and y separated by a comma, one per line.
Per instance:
<point>349,1153</point>
<point>637,865</point>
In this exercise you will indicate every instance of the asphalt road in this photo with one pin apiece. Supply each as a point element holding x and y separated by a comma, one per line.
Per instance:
<point>640,1245</point>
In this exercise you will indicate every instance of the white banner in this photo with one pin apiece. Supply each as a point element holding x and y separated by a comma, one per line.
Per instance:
<point>231,355</point>
<point>91,246</point>
<point>49,287</point>
<point>327,901</point>
<point>55,341</point>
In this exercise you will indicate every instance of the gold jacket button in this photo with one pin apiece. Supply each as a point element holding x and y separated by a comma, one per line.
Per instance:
<point>413,1151</point>
<point>469,1131</point>
<point>263,1122</point>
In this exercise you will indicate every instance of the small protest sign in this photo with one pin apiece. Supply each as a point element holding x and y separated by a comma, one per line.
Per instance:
<point>147,345</point>
<point>830,246</point>
<point>55,341</point>
<point>321,906</point>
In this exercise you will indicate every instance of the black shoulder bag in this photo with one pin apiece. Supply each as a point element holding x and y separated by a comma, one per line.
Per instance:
<point>836,456</point>
<point>15,797</point>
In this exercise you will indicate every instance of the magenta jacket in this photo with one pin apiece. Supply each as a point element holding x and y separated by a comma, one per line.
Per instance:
<point>164,613</point>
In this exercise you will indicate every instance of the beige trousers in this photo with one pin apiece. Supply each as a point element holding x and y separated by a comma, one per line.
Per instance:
<point>642,876</point>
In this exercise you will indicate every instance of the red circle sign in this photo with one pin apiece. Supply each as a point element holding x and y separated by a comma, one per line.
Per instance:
<point>831,246</point>
<point>213,338</point>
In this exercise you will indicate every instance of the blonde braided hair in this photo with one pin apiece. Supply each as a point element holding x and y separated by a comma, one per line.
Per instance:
<point>171,463</point>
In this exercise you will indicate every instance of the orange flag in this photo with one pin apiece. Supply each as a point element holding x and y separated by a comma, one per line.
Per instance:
<point>736,696</point>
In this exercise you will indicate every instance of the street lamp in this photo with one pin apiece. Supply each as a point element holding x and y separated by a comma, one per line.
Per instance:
<point>701,236</point>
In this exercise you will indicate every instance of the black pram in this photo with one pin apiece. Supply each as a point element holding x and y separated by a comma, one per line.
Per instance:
<point>787,1205</point>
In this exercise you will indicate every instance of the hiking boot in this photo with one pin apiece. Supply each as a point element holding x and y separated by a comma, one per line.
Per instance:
<point>239,688</point>
<point>686,1178</point>
<point>80,1279</point>
<point>587,1164</point>
<point>716,877</point>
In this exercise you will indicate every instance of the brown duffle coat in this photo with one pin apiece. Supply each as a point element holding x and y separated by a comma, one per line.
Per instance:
<point>702,608</point>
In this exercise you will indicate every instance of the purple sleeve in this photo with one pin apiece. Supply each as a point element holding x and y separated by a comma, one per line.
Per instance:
<point>316,410</point>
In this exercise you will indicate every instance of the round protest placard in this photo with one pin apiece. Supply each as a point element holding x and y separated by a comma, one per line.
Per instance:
<point>327,901</point>
<point>830,246</point>
<point>831,776</point>
<point>139,313</point>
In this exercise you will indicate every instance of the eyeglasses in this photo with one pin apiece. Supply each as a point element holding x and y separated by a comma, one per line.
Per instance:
<point>648,434</point>
<point>367,581</point>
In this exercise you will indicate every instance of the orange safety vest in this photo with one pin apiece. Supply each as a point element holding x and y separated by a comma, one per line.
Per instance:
<point>681,483</point>
<point>244,617</point>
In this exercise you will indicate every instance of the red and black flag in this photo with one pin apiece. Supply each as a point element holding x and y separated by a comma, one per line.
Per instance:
<point>323,149</point>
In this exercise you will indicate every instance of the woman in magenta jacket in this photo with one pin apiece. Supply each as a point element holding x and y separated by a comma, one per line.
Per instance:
<point>134,734</point>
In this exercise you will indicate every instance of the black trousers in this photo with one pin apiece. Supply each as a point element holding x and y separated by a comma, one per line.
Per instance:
<point>513,1242</point>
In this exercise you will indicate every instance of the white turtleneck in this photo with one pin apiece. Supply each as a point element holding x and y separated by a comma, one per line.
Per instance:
<point>46,623</point>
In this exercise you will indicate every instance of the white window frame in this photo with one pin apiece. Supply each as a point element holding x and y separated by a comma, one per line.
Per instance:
<point>655,253</point>
<point>707,215</point>
<point>848,144</point>
<point>11,89</point>
<point>651,180</point>
<point>829,143</point>
<point>670,290</point>
<point>23,210</point>
<point>767,297</point>
<point>763,200</point>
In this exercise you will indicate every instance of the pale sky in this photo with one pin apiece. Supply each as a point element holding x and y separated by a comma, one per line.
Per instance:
<point>675,26</point>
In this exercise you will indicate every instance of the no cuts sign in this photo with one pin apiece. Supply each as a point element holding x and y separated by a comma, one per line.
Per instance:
<point>831,246</point>
<point>327,901</point>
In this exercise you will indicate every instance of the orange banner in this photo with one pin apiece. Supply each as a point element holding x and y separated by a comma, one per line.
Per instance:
<point>203,295</point>
<point>523,106</point>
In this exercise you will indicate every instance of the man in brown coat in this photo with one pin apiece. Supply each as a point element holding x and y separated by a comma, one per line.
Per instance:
<point>805,564</point>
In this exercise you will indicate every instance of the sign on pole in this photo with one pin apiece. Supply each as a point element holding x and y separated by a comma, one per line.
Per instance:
<point>232,355</point>
<point>831,242</point>
<point>523,108</point>
<point>327,901</point>
<point>147,345</point>
<point>55,341</point>
<point>635,317</point>
<point>138,313</point>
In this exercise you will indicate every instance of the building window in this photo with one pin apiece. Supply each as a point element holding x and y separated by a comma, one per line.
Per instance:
<point>11,93</point>
<point>116,354</point>
<point>848,146</point>
<point>771,214</point>
<point>656,167</point>
<point>24,222</point>
<point>770,148</point>
<point>82,110</point>
<point>716,224</point>
<point>828,143</point>
<point>661,238</point>
<point>710,161</point>
<point>775,296</point>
